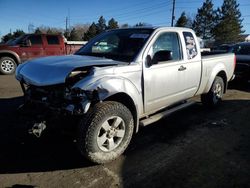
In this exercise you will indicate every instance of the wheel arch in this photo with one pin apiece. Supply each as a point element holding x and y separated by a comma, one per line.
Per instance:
<point>218,70</point>
<point>223,75</point>
<point>127,101</point>
<point>12,55</point>
<point>117,89</point>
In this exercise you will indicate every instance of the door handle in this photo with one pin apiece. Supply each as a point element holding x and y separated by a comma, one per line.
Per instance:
<point>182,68</point>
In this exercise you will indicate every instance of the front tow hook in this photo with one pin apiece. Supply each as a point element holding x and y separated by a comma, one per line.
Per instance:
<point>37,129</point>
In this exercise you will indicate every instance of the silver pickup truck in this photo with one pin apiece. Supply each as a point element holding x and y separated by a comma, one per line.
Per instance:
<point>119,81</point>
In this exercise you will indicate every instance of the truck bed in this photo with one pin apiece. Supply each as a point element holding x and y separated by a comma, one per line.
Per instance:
<point>213,62</point>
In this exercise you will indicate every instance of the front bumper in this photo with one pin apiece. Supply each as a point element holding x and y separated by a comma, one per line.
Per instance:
<point>55,100</point>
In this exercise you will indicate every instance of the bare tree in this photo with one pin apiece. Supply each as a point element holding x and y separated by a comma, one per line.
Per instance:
<point>80,29</point>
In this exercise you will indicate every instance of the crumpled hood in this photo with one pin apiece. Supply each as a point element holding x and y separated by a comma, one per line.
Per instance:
<point>54,69</point>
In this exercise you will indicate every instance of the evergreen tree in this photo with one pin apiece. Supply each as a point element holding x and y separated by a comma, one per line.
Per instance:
<point>38,31</point>
<point>13,35</point>
<point>184,21</point>
<point>51,30</point>
<point>7,37</point>
<point>101,25</point>
<point>66,34</point>
<point>204,21</point>
<point>140,24</point>
<point>124,25</point>
<point>18,33</point>
<point>73,35</point>
<point>92,32</point>
<point>229,27</point>
<point>112,24</point>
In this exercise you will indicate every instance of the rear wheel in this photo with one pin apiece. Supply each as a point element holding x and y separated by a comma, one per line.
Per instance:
<point>7,65</point>
<point>214,96</point>
<point>105,132</point>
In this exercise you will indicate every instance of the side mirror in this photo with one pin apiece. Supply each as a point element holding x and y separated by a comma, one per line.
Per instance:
<point>149,61</point>
<point>163,55</point>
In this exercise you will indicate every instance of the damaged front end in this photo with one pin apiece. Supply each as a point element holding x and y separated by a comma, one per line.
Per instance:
<point>50,88</point>
<point>48,105</point>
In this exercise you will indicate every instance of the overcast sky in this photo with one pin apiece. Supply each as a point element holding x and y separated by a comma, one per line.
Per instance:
<point>18,14</point>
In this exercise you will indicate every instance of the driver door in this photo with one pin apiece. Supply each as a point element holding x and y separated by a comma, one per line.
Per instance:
<point>163,82</point>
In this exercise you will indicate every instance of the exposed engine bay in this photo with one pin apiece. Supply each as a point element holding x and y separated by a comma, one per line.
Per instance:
<point>44,103</point>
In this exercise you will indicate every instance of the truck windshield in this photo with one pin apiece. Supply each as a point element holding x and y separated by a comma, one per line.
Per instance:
<point>120,45</point>
<point>16,41</point>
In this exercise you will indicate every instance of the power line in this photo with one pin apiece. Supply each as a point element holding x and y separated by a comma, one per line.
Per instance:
<point>142,9</point>
<point>149,13</point>
<point>132,6</point>
<point>145,9</point>
<point>142,12</point>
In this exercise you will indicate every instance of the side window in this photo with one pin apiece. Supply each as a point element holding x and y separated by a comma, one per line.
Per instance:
<point>191,46</point>
<point>52,40</point>
<point>168,42</point>
<point>35,40</point>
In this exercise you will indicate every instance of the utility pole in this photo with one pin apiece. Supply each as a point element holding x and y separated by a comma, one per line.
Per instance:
<point>172,22</point>
<point>69,17</point>
<point>66,26</point>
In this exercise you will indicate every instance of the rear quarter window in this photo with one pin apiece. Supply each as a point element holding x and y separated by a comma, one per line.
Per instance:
<point>191,47</point>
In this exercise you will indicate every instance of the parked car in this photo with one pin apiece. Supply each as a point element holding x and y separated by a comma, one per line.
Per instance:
<point>30,46</point>
<point>242,52</point>
<point>224,48</point>
<point>119,81</point>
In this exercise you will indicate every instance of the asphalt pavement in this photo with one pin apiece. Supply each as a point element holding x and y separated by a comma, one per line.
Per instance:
<point>195,147</point>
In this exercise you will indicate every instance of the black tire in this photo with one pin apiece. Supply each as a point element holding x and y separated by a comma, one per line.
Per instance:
<point>214,96</point>
<point>99,125</point>
<point>7,65</point>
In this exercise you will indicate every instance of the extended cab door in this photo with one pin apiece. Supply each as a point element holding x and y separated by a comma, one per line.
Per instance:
<point>54,45</point>
<point>193,65</point>
<point>166,82</point>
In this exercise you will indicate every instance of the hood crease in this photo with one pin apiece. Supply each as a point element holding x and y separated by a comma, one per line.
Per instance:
<point>54,69</point>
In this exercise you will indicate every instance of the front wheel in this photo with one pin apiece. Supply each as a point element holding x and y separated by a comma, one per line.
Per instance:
<point>7,65</point>
<point>105,132</point>
<point>214,96</point>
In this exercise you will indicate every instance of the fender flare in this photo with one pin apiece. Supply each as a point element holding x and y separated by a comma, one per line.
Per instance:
<point>216,70</point>
<point>11,53</point>
<point>109,86</point>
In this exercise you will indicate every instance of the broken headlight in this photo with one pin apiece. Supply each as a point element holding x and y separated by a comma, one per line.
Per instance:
<point>80,103</point>
<point>77,93</point>
<point>75,76</point>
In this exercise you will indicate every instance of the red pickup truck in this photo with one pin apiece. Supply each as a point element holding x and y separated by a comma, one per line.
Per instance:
<point>31,46</point>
